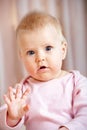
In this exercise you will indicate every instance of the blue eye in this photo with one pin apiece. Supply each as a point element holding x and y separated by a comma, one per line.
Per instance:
<point>30,52</point>
<point>48,48</point>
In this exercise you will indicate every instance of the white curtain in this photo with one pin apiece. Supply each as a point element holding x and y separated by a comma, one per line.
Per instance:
<point>73,15</point>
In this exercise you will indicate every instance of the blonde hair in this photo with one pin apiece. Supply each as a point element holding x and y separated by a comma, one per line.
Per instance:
<point>37,20</point>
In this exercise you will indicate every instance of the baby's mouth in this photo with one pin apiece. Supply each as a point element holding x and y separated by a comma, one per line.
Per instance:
<point>43,67</point>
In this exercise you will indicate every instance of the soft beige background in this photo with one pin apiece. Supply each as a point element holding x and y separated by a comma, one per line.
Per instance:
<point>73,15</point>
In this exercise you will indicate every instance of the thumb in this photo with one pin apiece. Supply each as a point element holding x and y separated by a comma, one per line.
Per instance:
<point>26,108</point>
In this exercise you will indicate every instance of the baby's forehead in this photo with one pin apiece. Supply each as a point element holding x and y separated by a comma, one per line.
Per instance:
<point>46,28</point>
<point>35,21</point>
<point>48,32</point>
<point>45,35</point>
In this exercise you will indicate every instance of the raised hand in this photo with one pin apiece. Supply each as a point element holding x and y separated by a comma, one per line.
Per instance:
<point>16,102</point>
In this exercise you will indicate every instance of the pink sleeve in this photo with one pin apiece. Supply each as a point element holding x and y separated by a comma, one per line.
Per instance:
<point>79,121</point>
<point>3,124</point>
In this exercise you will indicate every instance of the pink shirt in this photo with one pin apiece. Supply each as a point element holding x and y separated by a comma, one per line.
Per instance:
<point>54,103</point>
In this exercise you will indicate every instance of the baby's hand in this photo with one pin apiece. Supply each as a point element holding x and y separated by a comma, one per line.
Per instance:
<point>16,103</point>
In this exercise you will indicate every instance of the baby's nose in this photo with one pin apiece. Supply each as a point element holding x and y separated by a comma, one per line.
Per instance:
<point>40,57</point>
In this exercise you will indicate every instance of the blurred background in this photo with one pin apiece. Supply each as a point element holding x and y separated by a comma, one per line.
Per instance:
<point>73,15</point>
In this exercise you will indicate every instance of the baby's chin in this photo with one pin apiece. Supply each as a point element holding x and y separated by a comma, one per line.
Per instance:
<point>44,78</point>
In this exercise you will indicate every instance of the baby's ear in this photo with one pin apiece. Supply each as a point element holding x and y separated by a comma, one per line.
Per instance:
<point>64,49</point>
<point>20,53</point>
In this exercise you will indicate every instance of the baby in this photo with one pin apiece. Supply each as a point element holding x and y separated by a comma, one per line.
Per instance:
<point>49,98</point>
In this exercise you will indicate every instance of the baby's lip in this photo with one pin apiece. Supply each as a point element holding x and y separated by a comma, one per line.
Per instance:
<point>42,67</point>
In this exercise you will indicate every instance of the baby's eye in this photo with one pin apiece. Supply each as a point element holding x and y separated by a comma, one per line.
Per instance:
<point>48,48</point>
<point>30,52</point>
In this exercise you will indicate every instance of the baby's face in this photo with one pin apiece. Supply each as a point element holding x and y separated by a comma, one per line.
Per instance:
<point>42,53</point>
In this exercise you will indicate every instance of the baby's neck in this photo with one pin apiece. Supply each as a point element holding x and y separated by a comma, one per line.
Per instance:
<point>62,74</point>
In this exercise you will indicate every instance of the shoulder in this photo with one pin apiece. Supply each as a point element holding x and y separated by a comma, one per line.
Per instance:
<point>77,76</point>
<point>80,83</point>
<point>25,83</point>
<point>76,79</point>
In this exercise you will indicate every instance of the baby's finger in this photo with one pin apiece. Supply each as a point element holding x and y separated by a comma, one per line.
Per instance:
<point>23,110</point>
<point>26,108</point>
<point>11,94</point>
<point>18,92</point>
<point>24,96</point>
<point>6,99</point>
